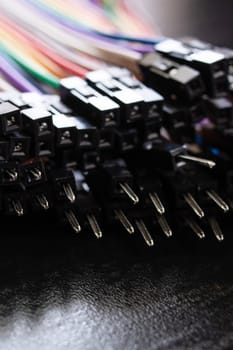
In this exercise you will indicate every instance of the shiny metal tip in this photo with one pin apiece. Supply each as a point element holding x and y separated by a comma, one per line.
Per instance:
<point>144,232</point>
<point>129,192</point>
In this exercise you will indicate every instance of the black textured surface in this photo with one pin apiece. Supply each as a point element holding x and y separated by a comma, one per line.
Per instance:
<point>60,291</point>
<point>161,305</point>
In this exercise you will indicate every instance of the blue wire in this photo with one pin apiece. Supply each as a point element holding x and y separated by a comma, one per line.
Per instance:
<point>76,25</point>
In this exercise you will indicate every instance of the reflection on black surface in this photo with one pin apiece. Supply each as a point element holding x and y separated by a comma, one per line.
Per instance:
<point>66,291</point>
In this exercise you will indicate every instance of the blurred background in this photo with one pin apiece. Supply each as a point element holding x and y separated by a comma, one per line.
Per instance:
<point>205,19</point>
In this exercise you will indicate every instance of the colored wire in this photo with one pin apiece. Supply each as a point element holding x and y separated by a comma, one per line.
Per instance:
<point>22,46</point>
<point>22,35</point>
<point>72,23</point>
<point>50,39</point>
<point>14,77</point>
<point>105,51</point>
<point>30,66</point>
<point>5,85</point>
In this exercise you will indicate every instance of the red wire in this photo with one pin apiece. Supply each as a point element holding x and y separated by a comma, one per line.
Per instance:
<point>45,50</point>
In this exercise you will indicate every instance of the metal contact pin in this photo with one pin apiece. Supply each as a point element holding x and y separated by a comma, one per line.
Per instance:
<point>144,232</point>
<point>164,225</point>
<point>69,192</point>
<point>157,202</point>
<point>195,228</point>
<point>73,220</point>
<point>13,175</point>
<point>42,200</point>
<point>193,205</point>
<point>36,173</point>
<point>216,229</point>
<point>120,215</point>
<point>129,192</point>
<point>94,225</point>
<point>17,207</point>
<point>205,162</point>
<point>218,200</point>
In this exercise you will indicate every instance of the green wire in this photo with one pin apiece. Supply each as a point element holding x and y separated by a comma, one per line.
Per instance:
<point>45,78</point>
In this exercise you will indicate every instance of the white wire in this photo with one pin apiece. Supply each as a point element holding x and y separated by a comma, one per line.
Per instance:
<point>64,36</point>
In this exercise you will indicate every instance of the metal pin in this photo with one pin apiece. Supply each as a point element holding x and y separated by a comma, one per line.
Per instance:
<point>216,229</point>
<point>124,220</point>
<point>69,192</point>
<point>144,232</point>
<point>193,205</point>
<point>218,200</point>
<point>164,225</point>
<point>206,162</point>
<point>94,225</point>
<point>36,173</point>
<point>157,202</point>
<point>12,174</point>
<point>17,207</point>
<point>73,221</point>
<point>41,198</point>
<point>195,228</point>
<point>129,192</point>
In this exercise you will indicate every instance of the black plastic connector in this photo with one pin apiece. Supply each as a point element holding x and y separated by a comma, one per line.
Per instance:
<point>114,180</point>
<point>130,101</point>
<point>210,63</point>
<point>10,118</point>
<point>33,173</point>
<point>19,146</point>
<point>65,131</point>
<point>4,149</point>
<point>220,111</point>
<point>37,122</point>
<point>42,146</point>
<point>165,156</point>
<point>86,134</point>
<point>64,185</point>
<point>180,84</point>
<point>100,110</point>
<point>10,174</point>
<point>40,198</point>
<point>15,203</point>
<point>126,140</point>
<point>153,101</point>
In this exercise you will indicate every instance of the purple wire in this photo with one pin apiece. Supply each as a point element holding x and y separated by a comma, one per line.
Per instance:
<point>72,27</point>
<point>15,77</point>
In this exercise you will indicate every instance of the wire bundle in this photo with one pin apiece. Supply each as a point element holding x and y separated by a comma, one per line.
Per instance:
<point>43,41</point>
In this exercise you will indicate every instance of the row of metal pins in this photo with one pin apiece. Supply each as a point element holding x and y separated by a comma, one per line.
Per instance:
<point>165,227</point>
<point>17,206</point>
<point>199,231</point>
<point>73,221</point>
<point>190,200</point>
<point>120,215</point>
